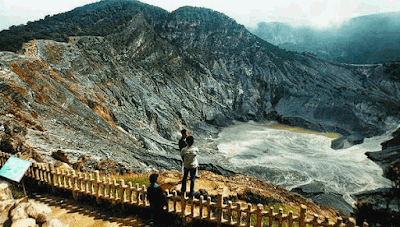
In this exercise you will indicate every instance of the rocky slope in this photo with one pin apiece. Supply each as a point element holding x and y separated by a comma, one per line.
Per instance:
<point>382,205</point>
<point>123,97</point>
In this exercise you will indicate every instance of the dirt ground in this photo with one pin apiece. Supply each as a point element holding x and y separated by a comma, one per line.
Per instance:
<point>74,213</point>
<point>239,185</point>
<point>70,212</point>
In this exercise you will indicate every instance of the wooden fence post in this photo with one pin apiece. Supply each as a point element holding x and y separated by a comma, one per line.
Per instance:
<point>248,215</point>
<point>290,219</point>
<point>183,205</point>
<point>41,177</point>
<point>36,170</point>
<point>122,187</point>
<point>97,189</point>
<point>208,208</point>
<point>80,185</point>
<point>220,206</point>
<point>260,209</point>
<point>280,217</point>
<point>192,205</point>
<point>201,207</point>
<point>271,216</point>
<point>52,181</point>
<point>113,190</point>
<point>144,195</point>
<point>89,183</point>
<point>302,217</point>
<point>104,184</point>
<point>137,194</point>
<point>239,214</point>
<point>174,199</point>
<point>131,194</point>
<point>229,212</point>
<point>74,185</point>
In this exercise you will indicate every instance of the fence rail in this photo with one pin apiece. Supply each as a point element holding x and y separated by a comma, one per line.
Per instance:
<point>92,184</point>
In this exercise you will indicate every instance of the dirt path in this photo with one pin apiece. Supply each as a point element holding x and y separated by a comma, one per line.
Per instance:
<point>75,214</point>
<point>78,213</point>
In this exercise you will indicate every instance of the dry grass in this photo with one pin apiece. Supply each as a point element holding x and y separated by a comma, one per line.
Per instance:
<point>216,184</point>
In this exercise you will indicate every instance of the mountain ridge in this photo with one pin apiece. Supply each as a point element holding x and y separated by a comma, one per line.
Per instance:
<point>125,96</point>
<point>225,69</point>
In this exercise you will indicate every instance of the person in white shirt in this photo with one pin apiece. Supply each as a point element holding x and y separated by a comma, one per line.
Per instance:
<point>190,164</point>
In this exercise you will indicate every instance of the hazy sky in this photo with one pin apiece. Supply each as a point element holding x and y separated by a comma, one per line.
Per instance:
<point>248,12</point>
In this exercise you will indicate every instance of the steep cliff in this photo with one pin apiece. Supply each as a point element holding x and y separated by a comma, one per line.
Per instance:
<point>125,95</point>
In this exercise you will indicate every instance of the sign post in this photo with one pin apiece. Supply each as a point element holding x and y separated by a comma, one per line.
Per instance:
<point>14,169</point>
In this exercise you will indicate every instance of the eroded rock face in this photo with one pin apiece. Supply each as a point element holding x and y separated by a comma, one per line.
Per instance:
<point>384,200</point>
<point>124,96</point>
<point>317,192</point>
<point>389,156</point>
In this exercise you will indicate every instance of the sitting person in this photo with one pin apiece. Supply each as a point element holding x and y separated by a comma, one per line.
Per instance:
<point>157,199</point>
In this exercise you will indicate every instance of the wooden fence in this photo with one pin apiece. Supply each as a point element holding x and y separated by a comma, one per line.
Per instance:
<point>92,184</point>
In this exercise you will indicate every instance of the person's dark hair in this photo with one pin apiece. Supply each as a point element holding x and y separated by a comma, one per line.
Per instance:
<point>189,140</point>
<point>153,178</point>
<point>183,131</point>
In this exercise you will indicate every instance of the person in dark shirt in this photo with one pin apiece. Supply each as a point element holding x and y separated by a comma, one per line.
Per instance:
<point>182,141</point>
<point>157,199</point>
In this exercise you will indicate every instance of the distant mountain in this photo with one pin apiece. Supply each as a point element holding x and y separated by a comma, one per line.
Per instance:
<point>366,39</point>
<point>98,19</point>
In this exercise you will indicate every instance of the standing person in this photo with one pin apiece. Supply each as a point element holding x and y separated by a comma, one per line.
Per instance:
<point>182,141</point>
<point>190,164</point>
<point>157,199</point>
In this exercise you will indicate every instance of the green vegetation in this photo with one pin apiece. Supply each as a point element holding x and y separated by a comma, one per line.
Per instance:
<point>98,19</point>
<point>16,190</point>
<point>286,209</point>
<point>135,179</point>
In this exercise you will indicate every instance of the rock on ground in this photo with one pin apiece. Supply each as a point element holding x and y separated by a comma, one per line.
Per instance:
<point>19,212</point>
<point>27,222</point>
<point>54,223</point>
<point>40,212</point>
<point>5,193</point>
<point>22,213</point>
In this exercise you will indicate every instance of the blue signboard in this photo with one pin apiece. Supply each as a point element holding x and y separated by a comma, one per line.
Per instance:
<point>14,169</point>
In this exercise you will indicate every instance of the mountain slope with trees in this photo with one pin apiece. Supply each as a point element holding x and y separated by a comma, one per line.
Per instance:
<point>360,40</point>
<point>97,19</point>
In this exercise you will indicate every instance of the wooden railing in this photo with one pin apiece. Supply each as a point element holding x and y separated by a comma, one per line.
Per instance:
<point>92,184</point>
